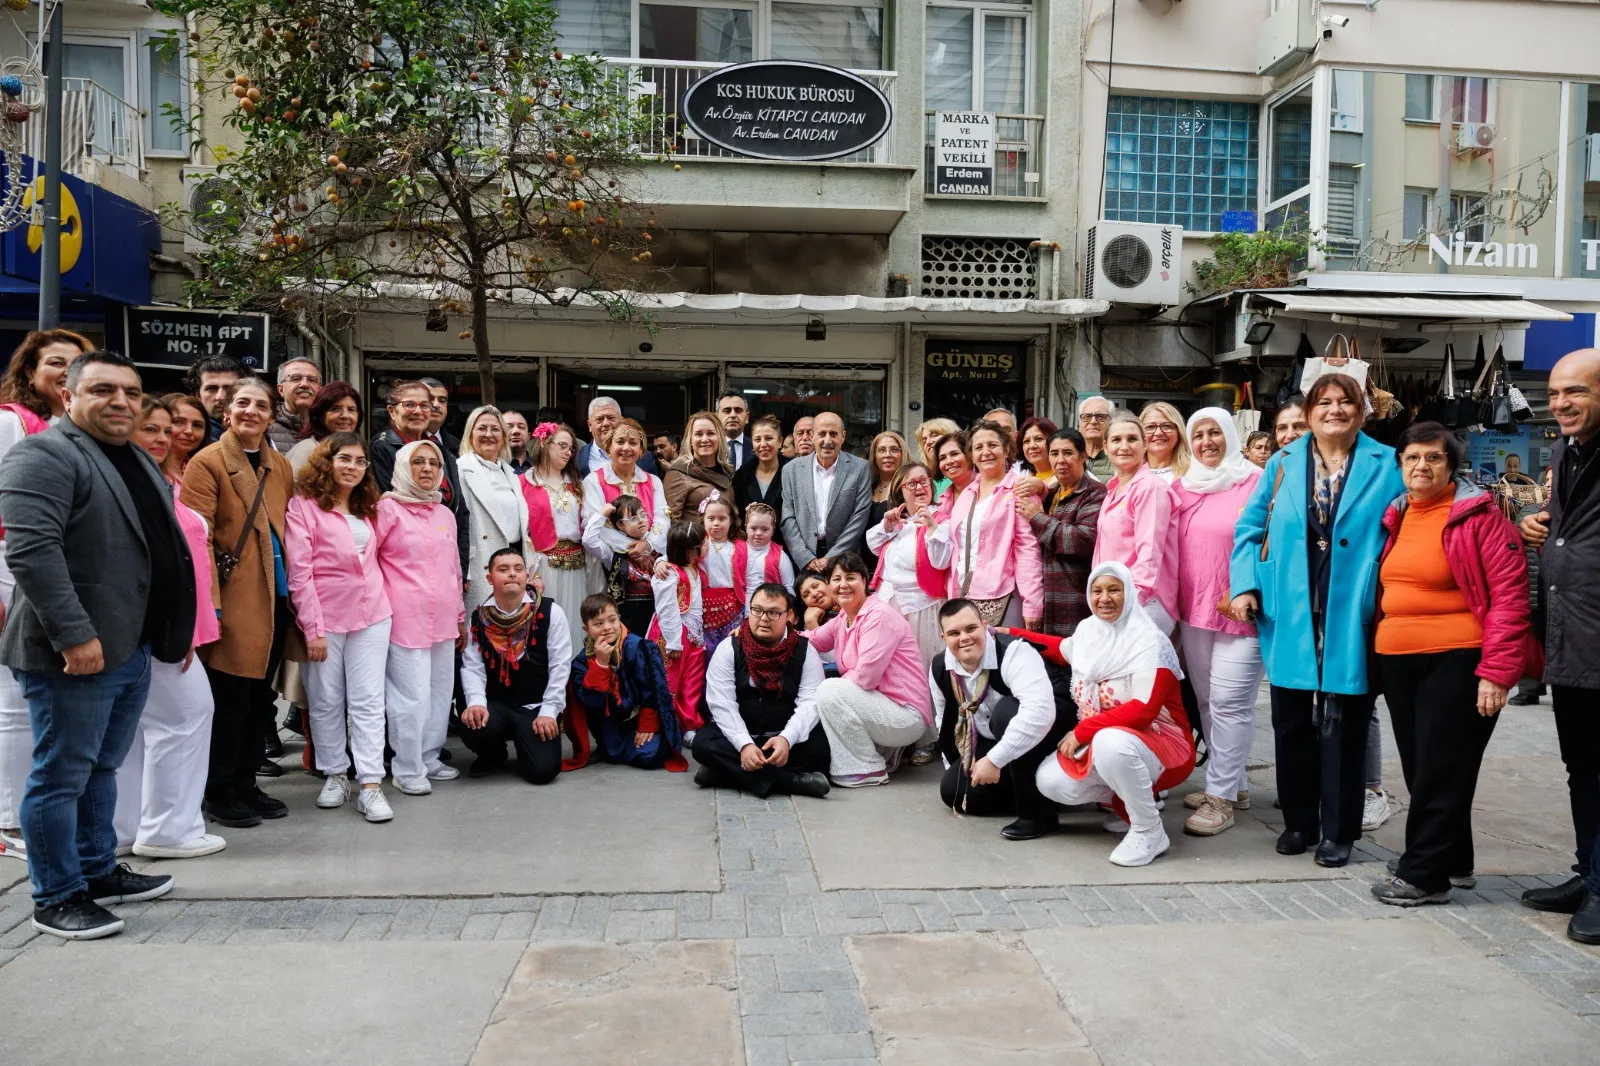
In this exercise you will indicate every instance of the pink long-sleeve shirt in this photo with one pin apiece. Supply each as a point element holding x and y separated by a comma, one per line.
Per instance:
<point>416,549</point>
<point>1137,530</point>
<point>878,653</point>
<point>334,589</point>
<point>1205,547</point>
<point>1005,553</point>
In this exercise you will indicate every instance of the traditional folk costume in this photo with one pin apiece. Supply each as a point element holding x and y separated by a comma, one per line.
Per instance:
<point>754,567</point>
<point>724,606</point>
<point>620,699</point>
<point>678,628</point>
<point>517,664</point>
<point>628,585</point>
<point>555,534</point>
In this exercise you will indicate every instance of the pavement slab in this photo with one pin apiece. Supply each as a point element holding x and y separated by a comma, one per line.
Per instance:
<point>1404,993</point>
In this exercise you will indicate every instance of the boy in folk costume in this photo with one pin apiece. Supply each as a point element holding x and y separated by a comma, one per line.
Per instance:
<point>679,627</point>
<point>619,690</point>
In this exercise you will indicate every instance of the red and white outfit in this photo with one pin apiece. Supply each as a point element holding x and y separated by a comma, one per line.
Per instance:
<point>602,487</point>
<point>678,628</point>
<point>724,604</point>
<point>163,779</point>
<point>555,541</point>
<point>16,730</point>
<point>914,574</point>
<point>754,567</point>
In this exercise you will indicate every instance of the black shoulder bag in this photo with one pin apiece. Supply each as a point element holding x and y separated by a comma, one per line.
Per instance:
<point>227,561</point>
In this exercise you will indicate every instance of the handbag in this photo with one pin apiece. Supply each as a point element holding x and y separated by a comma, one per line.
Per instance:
<point>1247,419</point>
<point>1266,532</point>
<point>1491,396</point>
<point>227,561</point>
<point>1289,387</point>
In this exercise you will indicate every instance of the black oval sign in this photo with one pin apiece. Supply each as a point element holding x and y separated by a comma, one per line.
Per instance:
<point>786,109</point>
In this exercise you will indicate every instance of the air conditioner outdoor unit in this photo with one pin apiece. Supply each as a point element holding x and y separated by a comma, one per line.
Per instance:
<point>211,206</point>
<point>1474,137</point>
<point>1592,172</point>
<point>1134,263</point>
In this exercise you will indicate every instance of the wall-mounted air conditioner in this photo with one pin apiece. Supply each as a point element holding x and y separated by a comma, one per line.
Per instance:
<point>1134,263</point>
<point>212,209</point>
<point>1475,137</point>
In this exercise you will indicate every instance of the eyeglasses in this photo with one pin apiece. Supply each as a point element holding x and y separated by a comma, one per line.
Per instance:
<point>916,483</point>
<point>412,405</point>
<point>1161,427</point>
<point>431,464</point>
<point>359,461</point>
<point>1431,458</point>
<point>1097,418</point>
<point>301,379</point>
<point>769,612</point>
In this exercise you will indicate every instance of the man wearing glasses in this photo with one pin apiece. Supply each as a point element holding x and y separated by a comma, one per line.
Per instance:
<point>410,412</point>
<point>298,383</point>
<point>1094,415</point>
<point>765,736</point>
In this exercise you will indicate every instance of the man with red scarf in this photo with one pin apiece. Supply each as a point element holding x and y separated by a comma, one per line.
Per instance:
<point>764,736</point>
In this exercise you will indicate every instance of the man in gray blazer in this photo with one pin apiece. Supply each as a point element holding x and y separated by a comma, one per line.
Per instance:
<point>104,580</point>
<point>826,497</point>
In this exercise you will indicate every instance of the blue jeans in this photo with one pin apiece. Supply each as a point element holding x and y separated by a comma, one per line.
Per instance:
<point>82,730</point>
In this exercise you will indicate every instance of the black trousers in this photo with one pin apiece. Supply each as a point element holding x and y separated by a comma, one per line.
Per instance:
<point>1578,731</point>
<point>636,615</point>
<point>538,761</point>
<point>1322,781</point>
<point>245,713</point>
<point>712,748</point>
<point>1433,706</point>
<point>1016,793</point>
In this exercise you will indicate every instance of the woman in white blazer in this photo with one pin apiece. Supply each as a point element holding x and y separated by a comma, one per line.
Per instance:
<point>497,512</point>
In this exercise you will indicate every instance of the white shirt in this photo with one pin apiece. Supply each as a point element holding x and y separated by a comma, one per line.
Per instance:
<point>1024,674</point>
<point>603,540</point>
<point>898,550</point>
<point>755,569</point>
<point>822,485</point>
<point>558,652</point>
<point>723,701</point>
<point>718,563</point>
<point>360,532</point>
<point>675,626</point>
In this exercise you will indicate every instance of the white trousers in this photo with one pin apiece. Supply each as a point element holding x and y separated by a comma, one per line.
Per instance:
<point>1225,670</point>
<point>16,730</point>
<point>418,683</point>
<point>857,721</point>
<point>346,693</point>
<point>162,781</point>
<point>1122,764</point>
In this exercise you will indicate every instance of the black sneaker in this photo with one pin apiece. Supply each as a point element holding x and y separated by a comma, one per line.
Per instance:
<point>814,784</point>
<point>705,777</point>
<point>77,918</point>
<point>482,767</point>
<point>232,813</point>
<point>122,885</point>
<point>265,805</point>
<point>1399,893</point>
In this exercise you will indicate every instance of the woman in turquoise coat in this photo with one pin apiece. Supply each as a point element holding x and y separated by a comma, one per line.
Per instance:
<point>1305,564</point>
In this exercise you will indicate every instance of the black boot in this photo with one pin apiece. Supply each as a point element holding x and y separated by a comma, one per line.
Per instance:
<point>1330,853</point>
<point>1565,898</point>
<point>1293,842</point>
<point>1585,924</point>
<point>228,811</point>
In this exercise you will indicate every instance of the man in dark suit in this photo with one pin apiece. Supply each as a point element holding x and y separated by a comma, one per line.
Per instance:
<point>410,408</point>
<point>438,411</point>
<point>734,414</point>
<point>104,581</point>
<point>604,414</point>
<point>826,497</point>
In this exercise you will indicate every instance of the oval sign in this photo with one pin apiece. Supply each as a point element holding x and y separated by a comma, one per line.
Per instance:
<point>786,109</point>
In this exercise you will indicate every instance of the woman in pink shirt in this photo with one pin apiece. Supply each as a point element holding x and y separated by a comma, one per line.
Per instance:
<point>1136,527</point>
<point>1222,654</point>
<point>995,561</point>
<point>342,609</point>
<point>881,699</point>
<point>416,550</point>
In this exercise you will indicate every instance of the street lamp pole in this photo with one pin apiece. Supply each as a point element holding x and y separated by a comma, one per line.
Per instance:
<point>50,250</point>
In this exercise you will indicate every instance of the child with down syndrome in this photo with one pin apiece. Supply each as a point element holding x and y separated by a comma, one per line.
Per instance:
<point>619,691</point>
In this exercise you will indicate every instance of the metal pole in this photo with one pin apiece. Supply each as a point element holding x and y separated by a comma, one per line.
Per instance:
<point>50,251</point>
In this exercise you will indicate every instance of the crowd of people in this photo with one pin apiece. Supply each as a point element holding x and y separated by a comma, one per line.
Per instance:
<point>1060,616</point>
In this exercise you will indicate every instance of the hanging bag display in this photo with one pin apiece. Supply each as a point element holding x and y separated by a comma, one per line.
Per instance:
<point>1442,407</point>
<point>1247,419</point>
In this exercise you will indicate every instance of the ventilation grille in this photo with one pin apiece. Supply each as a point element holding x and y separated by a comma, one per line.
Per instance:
<point>1127,261</point>
<point>985,268</point>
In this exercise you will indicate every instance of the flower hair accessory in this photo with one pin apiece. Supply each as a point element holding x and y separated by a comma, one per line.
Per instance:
<point>713,498</point>
<point>544,431</point>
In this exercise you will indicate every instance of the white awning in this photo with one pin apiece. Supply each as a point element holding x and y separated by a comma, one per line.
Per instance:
<point>1432,308</point>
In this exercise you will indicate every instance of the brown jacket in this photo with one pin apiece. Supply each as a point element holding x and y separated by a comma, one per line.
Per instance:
<point>220,484</point>
<point>686,483</point>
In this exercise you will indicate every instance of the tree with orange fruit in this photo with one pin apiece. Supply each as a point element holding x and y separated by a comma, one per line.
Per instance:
<point>404,150</point>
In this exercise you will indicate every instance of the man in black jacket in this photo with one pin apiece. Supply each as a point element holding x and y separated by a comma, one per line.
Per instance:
<point>1568,534</point>
<point>410,408</point>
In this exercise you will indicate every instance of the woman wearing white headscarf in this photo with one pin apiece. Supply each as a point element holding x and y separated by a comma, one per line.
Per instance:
<point>1132,736</point>
<point>1221,652</point>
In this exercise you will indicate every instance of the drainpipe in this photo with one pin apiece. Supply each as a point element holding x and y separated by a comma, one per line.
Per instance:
<point>1055,264</point>
<point>320,341</point>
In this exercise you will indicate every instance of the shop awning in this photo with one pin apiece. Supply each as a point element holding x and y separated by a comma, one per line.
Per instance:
<point>1432,308</point>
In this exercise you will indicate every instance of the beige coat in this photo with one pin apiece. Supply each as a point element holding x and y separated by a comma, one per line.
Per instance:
<point>220,485</point>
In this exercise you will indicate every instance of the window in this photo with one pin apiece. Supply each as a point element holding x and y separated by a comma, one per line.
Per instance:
<point>1346,104</point>
<point>1180,162</point>
<point>1469,216</point>
<point>1417,215</point>
<point>1469,100</point>
<point>165,95</point>
<point>603,26</point>
<point>725,31</point>
<point>703,34</point>
<point>1344,189</point>
<point>849,37</point>
<point>1291,145</point>
<point>976,57</point>
<point>1421,99</point>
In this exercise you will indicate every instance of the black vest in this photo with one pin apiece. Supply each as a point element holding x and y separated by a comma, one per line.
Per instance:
<point>941,678</point>
<point>767,712</point>
<point>530,674</point>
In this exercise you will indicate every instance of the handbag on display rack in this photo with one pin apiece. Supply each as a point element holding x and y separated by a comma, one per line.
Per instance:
<point>1491,394</point>
<point>1247,419</point>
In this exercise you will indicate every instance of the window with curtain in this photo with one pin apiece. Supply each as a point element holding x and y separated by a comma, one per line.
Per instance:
<point>849,37</point>
<point>1005,63</point>
<point>947,59</point>
<point>603,26</point>
<point>1469,99</point>
<point>166,93</point>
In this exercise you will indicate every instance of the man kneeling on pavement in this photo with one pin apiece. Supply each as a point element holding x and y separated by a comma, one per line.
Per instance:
<point>764,736</point>
<point>997,719</point>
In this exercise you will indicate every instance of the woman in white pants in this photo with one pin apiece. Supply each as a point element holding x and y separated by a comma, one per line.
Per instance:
<point>342,609</point>
<point>162,781</point>
<point>881,700</point>
<point>1221,653</point>
<point>416,550</point>
<point>1132,737</point>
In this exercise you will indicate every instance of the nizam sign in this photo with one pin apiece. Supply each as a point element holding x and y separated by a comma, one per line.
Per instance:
<point>788,110</point>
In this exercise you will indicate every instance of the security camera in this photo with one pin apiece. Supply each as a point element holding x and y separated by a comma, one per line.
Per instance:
<point>645,347</point>
<point>1335,22</point>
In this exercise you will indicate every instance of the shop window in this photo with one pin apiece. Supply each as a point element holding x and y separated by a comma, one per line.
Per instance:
<point>1179,162</point>
<point>1291,145</point>
<point>791,393</point>
<point>1582,185</point>
<point>962,378</point>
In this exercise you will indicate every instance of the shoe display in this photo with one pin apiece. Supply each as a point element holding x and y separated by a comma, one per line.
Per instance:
<point>1214,815</point>
<point>1375,811</point>
<point>814,784</point>
<point>373,805</point>
<point>232,813</point>
<point>1400,893</point>
<point>1140,847</point>
<point>444,773</point>
<point>1585,924</point>
<point>1331,854</point>
<point>12,845</point>
<point>413,786</point>
<point>335,791</point>
<point>1564,898</point>
<point>78,918</point>
<point>1293,842</point>
<point>204,844</point>
<point>122,885</point>
<point>265,805</point>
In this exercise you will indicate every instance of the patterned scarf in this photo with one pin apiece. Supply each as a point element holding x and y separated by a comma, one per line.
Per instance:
<point>615,666</point>
<point>1329,483</point>
<point>503,637</point>
<point>766,662</point>
<point>967,704</point>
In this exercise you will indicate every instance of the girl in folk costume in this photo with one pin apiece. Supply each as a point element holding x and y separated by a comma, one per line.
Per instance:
<point>913,556</point>
<point>679,624</point>
<point>1132,736</point>
<point>620,691</point>
<point>758,559</point>
<point>628,580</point>
<point>555,519</point>
<point>724,600</point>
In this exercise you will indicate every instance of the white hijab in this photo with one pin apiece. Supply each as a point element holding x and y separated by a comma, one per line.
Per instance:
<point>1100,651</point>
<point>405,488</point>
<point>1234,468</point>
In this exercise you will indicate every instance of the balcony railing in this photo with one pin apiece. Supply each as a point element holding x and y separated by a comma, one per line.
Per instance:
<point>666,80</point>
<point>95,124</point>
<point>1018,163</point>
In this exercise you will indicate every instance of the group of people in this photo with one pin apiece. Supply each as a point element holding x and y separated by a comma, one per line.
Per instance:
<point>1058,615</point>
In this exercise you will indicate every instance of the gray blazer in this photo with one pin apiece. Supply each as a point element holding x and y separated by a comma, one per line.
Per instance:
<point>77,551</point>
<point>848,505</point>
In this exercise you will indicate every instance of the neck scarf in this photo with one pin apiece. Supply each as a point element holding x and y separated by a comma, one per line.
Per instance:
<point>405,487</point>
<point>1100,651</point>
<point>1234,467</point>
<point>1328,484</point>
<point>766,662</point>
<point>504,636</point>
<point>967,704</point>
<point>616,652</point>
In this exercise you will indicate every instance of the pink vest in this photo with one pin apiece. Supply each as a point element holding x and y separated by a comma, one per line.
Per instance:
<point>642,491</point>
<point>930,579</point>
<point>31,424</point>
<point>206,626</point>
<point>771,569</point>
<point>541,520</point>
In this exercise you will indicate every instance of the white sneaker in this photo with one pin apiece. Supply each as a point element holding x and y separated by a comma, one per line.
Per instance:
<point>124,850</point>
<point>1140,847</point>
<point>413,786</point>
<point>1375,811</point>
<point>335,791</point>
<point>372,805</point>
<point>12,845</point>
<point>204,844</point>
<point>1113,824</point>
<point>444,773</point>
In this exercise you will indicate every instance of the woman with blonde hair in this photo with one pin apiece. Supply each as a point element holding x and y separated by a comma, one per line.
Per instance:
<point>928,435</point>
<point>1166,450</point>
<point>887,455</point>
<point>700,469</point>
<point>497,512</point>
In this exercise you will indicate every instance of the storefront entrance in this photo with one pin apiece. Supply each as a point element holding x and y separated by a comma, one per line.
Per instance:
<point>661,401</point>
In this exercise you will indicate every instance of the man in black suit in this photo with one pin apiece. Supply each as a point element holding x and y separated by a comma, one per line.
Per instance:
<point>734,414</point>
<point>604,414</point>
<point>438,411</point>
